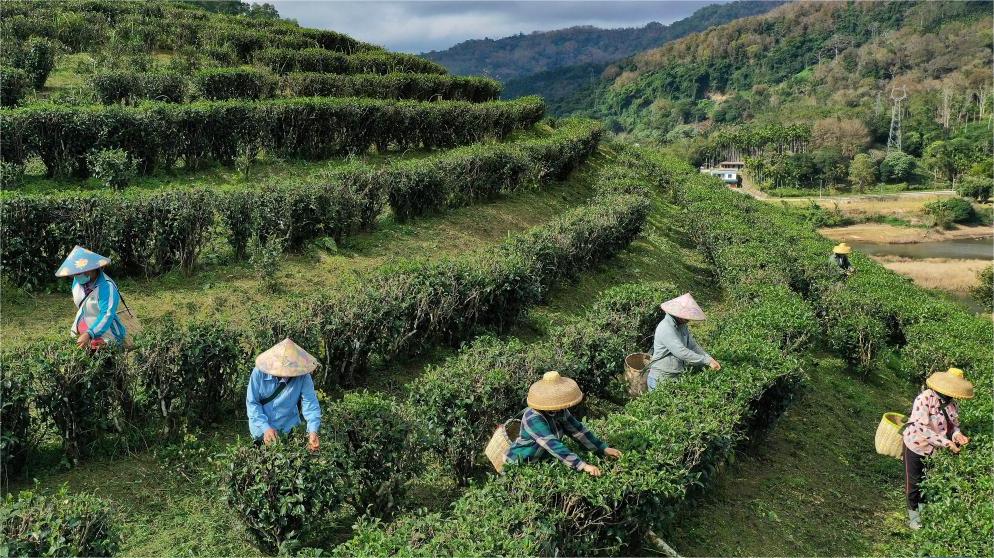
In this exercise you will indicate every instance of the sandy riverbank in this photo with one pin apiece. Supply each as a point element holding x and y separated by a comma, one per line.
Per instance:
<point>946,274</point>
<point>889,234</point>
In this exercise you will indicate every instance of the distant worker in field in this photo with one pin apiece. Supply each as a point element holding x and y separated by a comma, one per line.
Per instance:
<point>96,298</point>
<point>840,258</point>
<point>674,347</point>
<point>280,381</point>
<point>934,423</point>
<point>547,419</point>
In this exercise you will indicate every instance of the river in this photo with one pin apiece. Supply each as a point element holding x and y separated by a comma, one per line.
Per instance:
<point>958,249</point>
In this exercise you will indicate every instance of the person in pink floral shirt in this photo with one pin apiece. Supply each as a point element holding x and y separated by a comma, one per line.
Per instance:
<point>934,423</point>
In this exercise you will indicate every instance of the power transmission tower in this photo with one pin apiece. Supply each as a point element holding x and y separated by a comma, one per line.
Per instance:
<point>894,138</point>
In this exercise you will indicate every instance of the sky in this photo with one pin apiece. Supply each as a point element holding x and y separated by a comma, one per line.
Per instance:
<point>420,26</point>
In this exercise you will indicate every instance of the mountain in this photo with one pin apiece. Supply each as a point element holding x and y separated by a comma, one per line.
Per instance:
<point>522,55</point>
<point>814,80</point>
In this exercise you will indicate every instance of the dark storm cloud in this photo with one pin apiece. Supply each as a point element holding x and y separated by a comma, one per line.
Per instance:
<point>413,26</point>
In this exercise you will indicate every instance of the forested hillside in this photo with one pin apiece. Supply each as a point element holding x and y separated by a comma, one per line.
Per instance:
<point>522,55</point>
<point>806,91</point>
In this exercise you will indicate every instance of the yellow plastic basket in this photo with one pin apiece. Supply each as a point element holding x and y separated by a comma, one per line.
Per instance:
<point>889,440</point>
<point>501,440</point>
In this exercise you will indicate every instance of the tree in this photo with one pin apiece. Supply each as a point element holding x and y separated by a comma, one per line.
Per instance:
<point>862,172</point>
<point>948,159</point>
<point>848,136</point>
<point>898,166</point>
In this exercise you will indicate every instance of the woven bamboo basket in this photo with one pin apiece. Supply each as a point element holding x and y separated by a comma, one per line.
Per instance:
<point>635,373</point>
<point>501,440</point>
<point>889,440</point>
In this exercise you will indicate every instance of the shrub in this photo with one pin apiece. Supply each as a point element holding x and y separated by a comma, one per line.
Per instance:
<point>284,61</point>
<point>983,291</point>
<point>282,491</point>
<point>189,373</point>
<point>115,168</point>
<point>945,213</point>
<point>377,457</point>
<point>161,133</point>
<point>862,172</point>
<point>62,524</point>
<point>421,87</point>
<point>11,175</point>
<point>15,418</point>
<point>36,58</point>
<point>79,392</point>
<point>234,83</point>
<point>14,86</point>
<point>975,187</point>
<point>265,257</point>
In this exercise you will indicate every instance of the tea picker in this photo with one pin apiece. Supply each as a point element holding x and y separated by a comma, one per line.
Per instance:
<point>280,382</point>
<point>674,347</point>
<point>934,423</point>
<point>99,320</point>
<point>542,426</point>
<point>840,259</point>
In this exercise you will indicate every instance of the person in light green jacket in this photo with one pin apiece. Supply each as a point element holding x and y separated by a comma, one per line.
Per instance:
<point>674,347</point>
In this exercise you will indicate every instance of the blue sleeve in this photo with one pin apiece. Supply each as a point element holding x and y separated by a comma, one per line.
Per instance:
<point>107,301</point>
<point>582,434</point>
<point>258,421</point>
<point>309,404</point>
<point>671,339</point>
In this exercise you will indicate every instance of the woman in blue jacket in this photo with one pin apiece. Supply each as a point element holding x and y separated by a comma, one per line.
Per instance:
<point>96,298</point>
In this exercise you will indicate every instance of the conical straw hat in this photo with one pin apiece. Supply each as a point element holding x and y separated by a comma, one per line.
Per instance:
<point>951,383</point>
<point>81,260</point>
<point>842,248</point>
<point>554,393</point>
<point>683,306</point>
<point>286,360</point>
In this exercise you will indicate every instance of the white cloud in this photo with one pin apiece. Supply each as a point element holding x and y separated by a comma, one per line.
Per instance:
<point>418,26</point>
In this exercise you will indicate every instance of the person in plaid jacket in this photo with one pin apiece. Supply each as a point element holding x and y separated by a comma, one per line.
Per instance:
<point>547,419</point>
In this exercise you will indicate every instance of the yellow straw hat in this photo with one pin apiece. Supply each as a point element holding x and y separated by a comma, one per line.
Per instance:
<point>842,248</point>
<point>951,383</point>
<point>554,393</point>
<point>286,360</point>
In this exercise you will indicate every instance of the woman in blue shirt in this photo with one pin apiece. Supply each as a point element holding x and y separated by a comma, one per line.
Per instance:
<point>280,380</point>
<point>96,298</point>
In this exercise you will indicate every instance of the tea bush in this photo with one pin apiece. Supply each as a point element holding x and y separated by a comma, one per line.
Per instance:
<point>281,491</point>
<point>11,175</point>
<point>115,168</point>
<point>131,87</point>
<point>284,61</point>
<point>147,234</point>
<point>421,87</point>
<point>16,434</point>
<point>14,86</point>
<point>61,524</point>
<point>234,83</point>
<point>374,437</point>
<point>160,134</point>
<point>36,57</point>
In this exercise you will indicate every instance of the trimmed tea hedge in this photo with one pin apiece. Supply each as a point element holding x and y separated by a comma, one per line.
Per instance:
<point>160,134</point>
<point>130,87</point>
<point>147,234</point>
<point>421,87</point>
<point>284,61</point>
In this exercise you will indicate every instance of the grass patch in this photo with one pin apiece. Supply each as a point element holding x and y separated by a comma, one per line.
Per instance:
<point>815,486</point>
